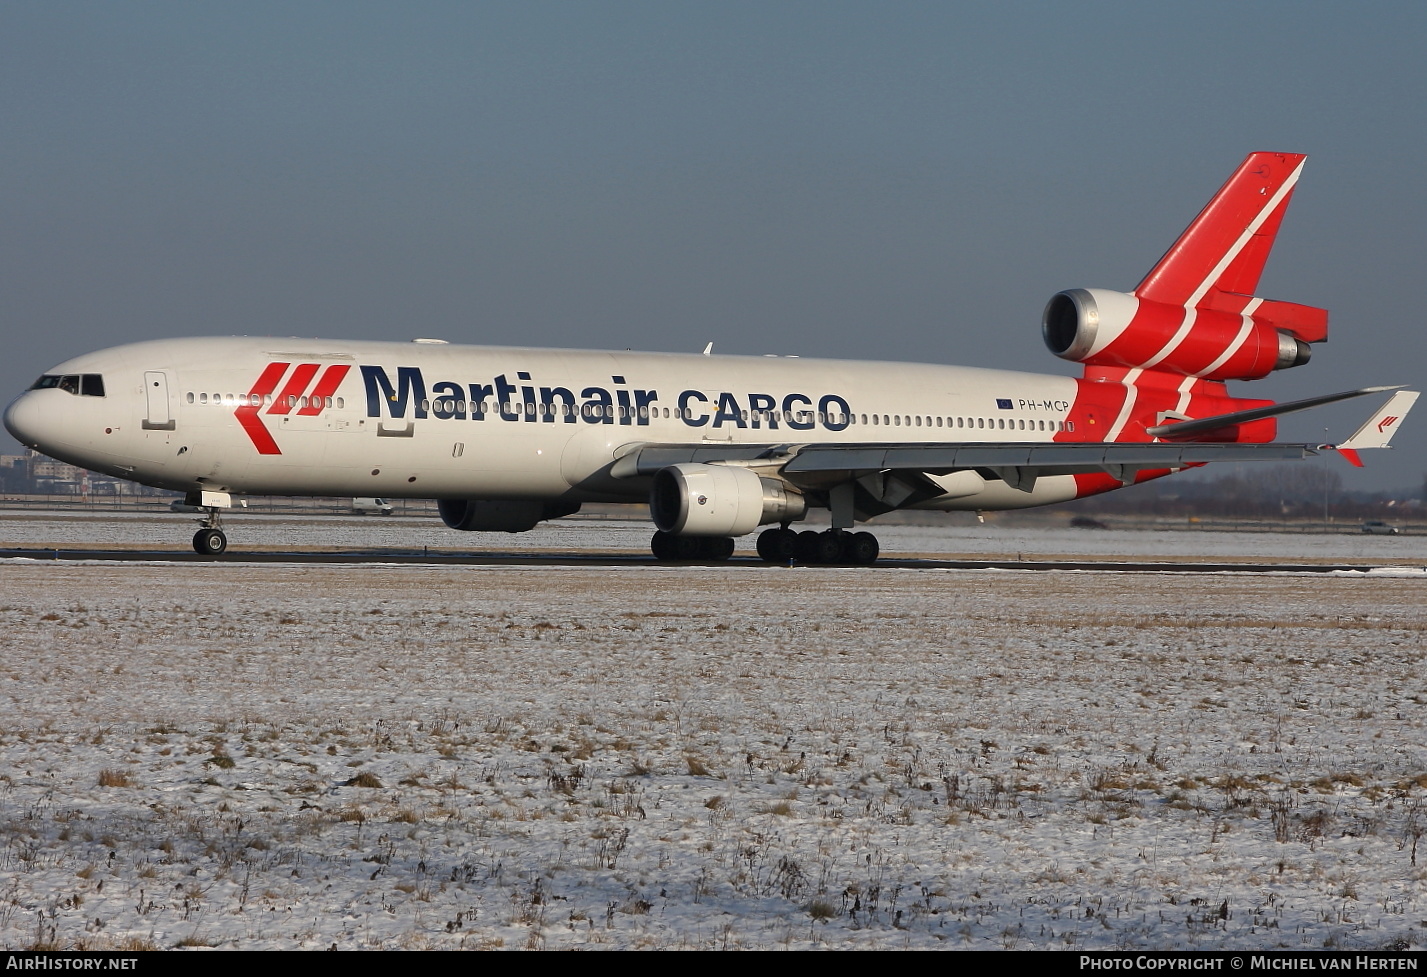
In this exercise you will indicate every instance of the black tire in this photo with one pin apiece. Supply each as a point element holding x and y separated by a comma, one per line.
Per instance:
<point>805,546</point>
<point>718,548</point>
<point>689,547</point>
<point>664,546</point>
<point>862,549</point>
<point>829,547</point>
<point>210,542</point>
<point>776,545</point>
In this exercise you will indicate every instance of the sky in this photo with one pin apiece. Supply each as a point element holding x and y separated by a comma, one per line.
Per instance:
<point>903,181</point>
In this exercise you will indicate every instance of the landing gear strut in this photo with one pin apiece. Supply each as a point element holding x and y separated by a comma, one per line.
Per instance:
<point>833,546</point>
<point>667,546</point>
<point>210,540</point>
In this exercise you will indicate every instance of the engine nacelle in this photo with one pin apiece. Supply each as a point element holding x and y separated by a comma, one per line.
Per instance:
<point>490,516</point>
<point>1100,327</point>
<point>719,500</point>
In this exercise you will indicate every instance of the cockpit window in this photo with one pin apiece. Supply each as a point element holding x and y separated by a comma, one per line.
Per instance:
<point>80,384</point>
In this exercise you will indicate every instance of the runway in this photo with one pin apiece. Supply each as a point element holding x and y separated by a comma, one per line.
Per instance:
<point>614,561</point>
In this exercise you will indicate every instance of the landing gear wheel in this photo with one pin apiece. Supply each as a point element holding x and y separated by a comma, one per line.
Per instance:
<point>209,542</point>
<point>861,548</point>
<point>718,548</point>
<point>828,547</point>
<point>665,546</point>
<point>805,546</point>
<point>671,548</point>
<point>776,545</point>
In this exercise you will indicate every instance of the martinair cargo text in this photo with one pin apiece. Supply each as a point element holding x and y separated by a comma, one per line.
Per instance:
<point>505,437</point>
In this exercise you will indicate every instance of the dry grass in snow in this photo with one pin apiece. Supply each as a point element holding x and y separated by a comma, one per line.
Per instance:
<point>270,756</point>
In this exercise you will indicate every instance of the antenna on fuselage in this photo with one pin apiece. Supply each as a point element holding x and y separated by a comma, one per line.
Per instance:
<point>708,350</point>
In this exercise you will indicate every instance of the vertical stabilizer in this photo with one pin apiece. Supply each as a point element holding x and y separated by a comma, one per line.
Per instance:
<point>1227,245</point>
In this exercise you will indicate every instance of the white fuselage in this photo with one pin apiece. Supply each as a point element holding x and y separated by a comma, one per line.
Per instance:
<point>427,420</point>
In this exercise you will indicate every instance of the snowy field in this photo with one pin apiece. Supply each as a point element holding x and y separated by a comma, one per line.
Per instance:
<point>284,756</point>
<point>249,531</point>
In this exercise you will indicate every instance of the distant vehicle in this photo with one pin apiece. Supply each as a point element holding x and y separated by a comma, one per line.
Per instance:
<point>1379,528</point>
<point>371,507</point>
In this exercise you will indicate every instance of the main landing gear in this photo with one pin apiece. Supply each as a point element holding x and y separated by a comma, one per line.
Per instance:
<point>779,545</point>
<point>832,546</point>
<point>714,549</point>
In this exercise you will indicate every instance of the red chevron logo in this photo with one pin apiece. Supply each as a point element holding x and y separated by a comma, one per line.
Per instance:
<point>1386,423</point>
<point>293,393</point>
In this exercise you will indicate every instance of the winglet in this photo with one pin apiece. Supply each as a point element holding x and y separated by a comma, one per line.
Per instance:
<point>1377,432</point>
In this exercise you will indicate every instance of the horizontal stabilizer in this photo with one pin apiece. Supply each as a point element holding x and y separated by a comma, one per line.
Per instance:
<point>1187,430</point>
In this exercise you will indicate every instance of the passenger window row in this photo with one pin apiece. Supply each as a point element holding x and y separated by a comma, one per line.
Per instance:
<point>253,400</point>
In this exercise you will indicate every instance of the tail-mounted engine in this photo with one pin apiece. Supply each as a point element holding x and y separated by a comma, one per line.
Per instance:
<point>1099,327</point>
<point>719,500</point>
<point>1195,314</point>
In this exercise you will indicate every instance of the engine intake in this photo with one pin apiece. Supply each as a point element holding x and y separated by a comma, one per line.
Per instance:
<point>719,500</point>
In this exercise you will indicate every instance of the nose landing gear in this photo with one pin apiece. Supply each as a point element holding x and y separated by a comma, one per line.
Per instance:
<point>210,542</point>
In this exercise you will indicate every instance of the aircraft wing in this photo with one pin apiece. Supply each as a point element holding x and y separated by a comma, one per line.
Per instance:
<point>817,464</point>
<point>1018,463</point>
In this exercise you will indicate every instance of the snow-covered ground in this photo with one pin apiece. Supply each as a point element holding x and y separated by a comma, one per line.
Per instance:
<point>391,756</point>
<point>990,541</point>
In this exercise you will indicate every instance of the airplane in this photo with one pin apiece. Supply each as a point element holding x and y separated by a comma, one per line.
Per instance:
<point>504,438</point>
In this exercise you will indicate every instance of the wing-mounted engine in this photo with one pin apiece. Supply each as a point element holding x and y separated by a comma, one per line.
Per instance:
<point>719,500</point>
<point>496,516</point>
<point>1195,314</point>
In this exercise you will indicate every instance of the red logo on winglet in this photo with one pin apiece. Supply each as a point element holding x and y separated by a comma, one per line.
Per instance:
<point>1386,423</point>
<point>285,401</point>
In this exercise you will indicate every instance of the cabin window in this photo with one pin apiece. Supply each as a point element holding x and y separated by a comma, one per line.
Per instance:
<point>190,397</point>
<point>341,403</point>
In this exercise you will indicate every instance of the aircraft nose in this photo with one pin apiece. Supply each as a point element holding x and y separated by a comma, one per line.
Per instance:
<point>22,420</point>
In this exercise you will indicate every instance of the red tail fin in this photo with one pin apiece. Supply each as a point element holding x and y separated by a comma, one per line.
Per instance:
<point>1227,245</point>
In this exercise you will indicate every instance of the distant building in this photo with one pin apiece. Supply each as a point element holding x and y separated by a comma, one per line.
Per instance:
<point>37,473</point>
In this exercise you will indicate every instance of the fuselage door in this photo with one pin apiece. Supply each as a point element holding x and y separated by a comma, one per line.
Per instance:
<point>159,416</point>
